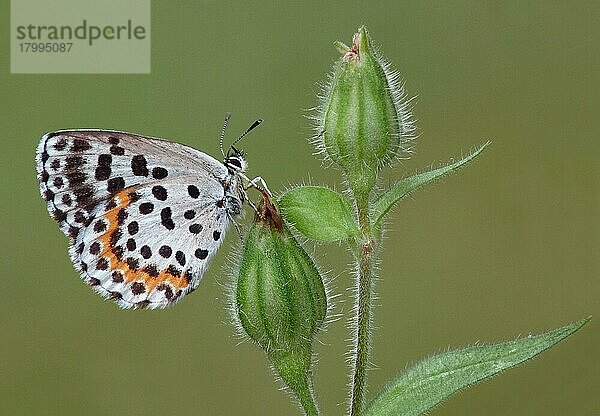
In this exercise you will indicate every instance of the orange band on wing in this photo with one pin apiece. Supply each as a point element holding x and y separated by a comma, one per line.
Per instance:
<point>130,274</point>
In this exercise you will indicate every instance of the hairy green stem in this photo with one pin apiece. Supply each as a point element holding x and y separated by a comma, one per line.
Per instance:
<point>308,402</point>
<point>365,252</point>
<point>293,368</point>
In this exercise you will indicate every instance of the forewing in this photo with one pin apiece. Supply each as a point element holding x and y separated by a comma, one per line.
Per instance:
<point>77,169</point>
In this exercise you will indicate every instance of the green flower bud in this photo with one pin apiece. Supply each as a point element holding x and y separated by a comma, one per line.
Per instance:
<point>364,120</point>
<point>280,300</point>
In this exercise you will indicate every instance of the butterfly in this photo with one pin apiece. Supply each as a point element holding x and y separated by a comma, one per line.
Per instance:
<point>144,215</point>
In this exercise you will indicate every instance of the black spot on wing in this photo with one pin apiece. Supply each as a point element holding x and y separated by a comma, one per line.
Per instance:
<point>180,257</point>
<point>95,248</point>
<point>133,227</point>
<point>195,228</point>
<point>146,208</point>
<point>103,169</point>
<point>122,216</point>
<point>48,195</point>
<point>139,166</point>
<point>117,276</point>
<point>159,173</point>
<point>165,218</point>
<point>84,195</point>
<point>100,226</point>
<point>193,191</point>
<point>131,245</point>
<point>102,264</point>
<point>76,178</point>
<point>115,184</point>
<point>118,252</point>
<point>165,251</point>
<point>115,236</point>
<point>117,150</point>
<point>133,264</point>
<point>80,145</point>
<point>146,252</point>
<point>151,270</point>
<point>66,199</point>
<point>74,162</point>
<point>134,197</point>
<point>79,217</point>
<point>173,271</point>
<point>159,192</point>
<point>60,144</point>
<point>58,182</point>
<point>201,254</point>
<point>137,288</point>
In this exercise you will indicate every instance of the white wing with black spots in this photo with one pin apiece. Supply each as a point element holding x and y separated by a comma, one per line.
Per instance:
<point>154,246</point>
<point>79,168</point>
<point>145,216</point>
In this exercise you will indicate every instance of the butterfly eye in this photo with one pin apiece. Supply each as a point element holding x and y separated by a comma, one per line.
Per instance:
<point>234,162</point>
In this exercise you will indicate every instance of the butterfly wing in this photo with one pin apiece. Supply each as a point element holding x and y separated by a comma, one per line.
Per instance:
<point>152,247</point>
<point>132,206</point>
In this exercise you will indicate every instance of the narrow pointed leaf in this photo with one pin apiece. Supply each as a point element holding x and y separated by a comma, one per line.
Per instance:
<point>405,186</point>
<point>319,213</point>
<point>341,47</point>
<point>432,380</point>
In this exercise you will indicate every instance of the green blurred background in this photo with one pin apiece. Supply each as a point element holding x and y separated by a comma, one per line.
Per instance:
<point>505,247</point>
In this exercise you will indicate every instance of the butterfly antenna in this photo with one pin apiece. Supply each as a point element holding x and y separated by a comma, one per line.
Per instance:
<point>227,117</point>
<point>248,130</point>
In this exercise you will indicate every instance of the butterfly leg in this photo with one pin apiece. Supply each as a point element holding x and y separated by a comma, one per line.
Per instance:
<point>236,225</point>
<point>254,184</point>
<point>259,180</point>
<point>252,205</point>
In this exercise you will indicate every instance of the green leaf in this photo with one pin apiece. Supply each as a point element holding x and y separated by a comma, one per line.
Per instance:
<point>319,213</point>
<point>432,380</point>
<point>405,186</point>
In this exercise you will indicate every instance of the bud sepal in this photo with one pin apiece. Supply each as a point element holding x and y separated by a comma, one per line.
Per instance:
<point>280,300</point>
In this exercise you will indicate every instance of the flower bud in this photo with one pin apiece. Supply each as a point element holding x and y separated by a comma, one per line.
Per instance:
<point>280,299</point>
<point>364,120</point>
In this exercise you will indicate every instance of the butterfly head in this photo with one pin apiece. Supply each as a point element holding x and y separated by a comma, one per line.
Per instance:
<point>236,161</point>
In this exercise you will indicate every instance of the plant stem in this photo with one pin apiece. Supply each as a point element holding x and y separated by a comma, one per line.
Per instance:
<point>294,369</point>
<point>308,402</point>
<point>364,287</point>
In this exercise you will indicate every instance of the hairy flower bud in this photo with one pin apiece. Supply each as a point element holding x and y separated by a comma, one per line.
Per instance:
<point>280,299</point>
<point>364,121</point>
